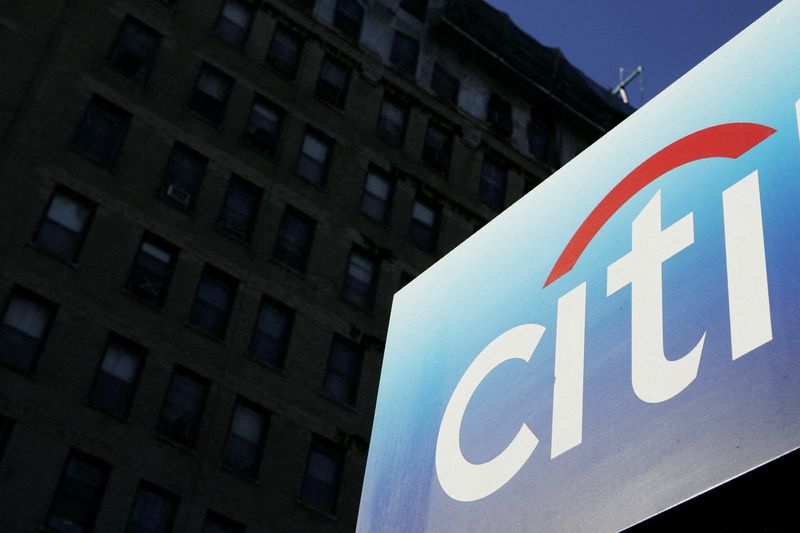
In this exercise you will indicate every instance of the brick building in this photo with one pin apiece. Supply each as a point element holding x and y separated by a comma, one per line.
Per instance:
<point>207,206</point>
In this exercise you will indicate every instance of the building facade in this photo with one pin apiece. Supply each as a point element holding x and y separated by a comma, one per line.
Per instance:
<point>207,207</point>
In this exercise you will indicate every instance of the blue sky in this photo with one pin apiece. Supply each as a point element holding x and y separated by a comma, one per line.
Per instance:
<point>667,37</point>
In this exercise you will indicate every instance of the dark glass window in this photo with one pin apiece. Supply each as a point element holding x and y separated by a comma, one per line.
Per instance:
<point>152,269</point>
<point>245,440</point>
<point>285,50</point>
<point>405,51</point>
<point>323,475</point>
<point>64,225</point>
<point>210,94</point>
<point>418,8</point>
<point>101,131</point>
<point>78,495</point>
<point>183,175</point>
<point>26,321</point>
<point>377,197</point>
<point>270,340</point>
<point>361,279</point>
<point>153,510</point>
<point>539,135</point>
<point>332,84</point>
<point>343,371</point>
<point>213,302</point>
<point>438,146</point>
<point>315,157</point>
<point>307,4</point>
<point>264,125</point>
<point>424,228</point>
<point>135,49</point>
<point>239,209</point>
<point>6,427</point>
<point>493,183</point>
<point>498,115</point>
<point>183,407</point>
<point>392,121</point>
<point>115,383</point>
<point>216,523</point>
<point>293,244</point>
<point>348,17</point>
<point>234,22</point>
<point>444,85</point>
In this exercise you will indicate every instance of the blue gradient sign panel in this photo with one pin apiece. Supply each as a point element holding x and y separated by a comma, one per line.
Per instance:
<point>622,338</point>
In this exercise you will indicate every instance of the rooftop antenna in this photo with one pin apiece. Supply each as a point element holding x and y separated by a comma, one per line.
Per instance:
<point>624,81</point>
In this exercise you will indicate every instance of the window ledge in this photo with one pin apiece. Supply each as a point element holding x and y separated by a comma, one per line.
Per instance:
<point>99,409</point>
<point>278,370</point>
<point>370,312</point>
<point>206,120</point>
<point>204,333</point>
<point>315,509</point>
<point>153,306</point>
<point>246,243</point>
<point>108,167</point>
<point>240,475</point>
<point>288,268</point>
<point>268,154</point>
<point>172,442</point>
<point>175,204</point>
<point>347,406</point>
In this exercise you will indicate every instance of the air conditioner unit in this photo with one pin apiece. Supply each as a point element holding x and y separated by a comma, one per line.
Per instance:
<point>179,194</point>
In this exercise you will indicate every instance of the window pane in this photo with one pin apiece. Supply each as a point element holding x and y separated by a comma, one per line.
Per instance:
<point>493,184</point>
<point>219,524</point>
<point>210,94</point>
<point>323,474</point>
<point>444,85</point>
<point>243,446</point>
<point>294,240</point>
<point>348,17</point>
<point>101,132</point>
<point>284,51</point>
<point>360,280</point>
<point>263,126</point>
<point>24,325</point>
<point>62,230</point>
<point>239,209</point>
<point>78,495</point>
<point>392,122</point>
<point>152,269</point>
<point>213,302</point>
<point>233,24</point>
<point>405,51</point>
<point>271,336</point>
<point>114,385</point>
<point>183,407</point>
<point>153,511</point>
<point>423,229</point>
<point>135,49</point>
<point>183,175</point>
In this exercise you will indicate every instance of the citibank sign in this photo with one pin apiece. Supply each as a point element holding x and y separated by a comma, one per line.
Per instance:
<point>654,377</point>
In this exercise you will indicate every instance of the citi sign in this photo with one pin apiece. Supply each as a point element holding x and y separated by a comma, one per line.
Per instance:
<point>654,378</point>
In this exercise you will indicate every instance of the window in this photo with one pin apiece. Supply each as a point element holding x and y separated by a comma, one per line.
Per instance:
<point>293,244</point>
<point>183,175</point>
<point>116,379</point>
<point>213,302</point>
<point>377,197</point>
<point>245,440</point>
<point>101,131</point>
<point>78,495</point>
<point>418,8</point>
<point>216,523</point>
<point>322,476</point>
<point>153,510</point>
<point>492,188</point>
<point>315,157</point>
<point>210,94</point>
<point>135,48</point>
<point>405,51</point>
<point>343,371</point>
<point>424,228</point>
<point>264,125</point>
<point>234,22</point>
<point>239,209</point>
<point>498,115</point>
<point>26,321</point>
<point>361,280</point>
<point>183,407</point>
<point>539,135</point>
<point>392,121</point>
<point>64,225</point>
<point>444,85</point>
<point>285,50</point>
<point>270,340</point>
<point>438,146</point>
<point>6,426</point>
<point>152,269</point>
<point>348,18</point>
<point>333,81</point>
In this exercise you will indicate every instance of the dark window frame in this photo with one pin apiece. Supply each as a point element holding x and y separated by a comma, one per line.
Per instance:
<point>173,499</point>
<point>224,25</point>
<point>172,178</point>
<point>387,130</point>
<point>132,349</point>
<point>188,436</point>
<point>49,307</point>
<point>417,8</point>
<point>206,106</point>
<point>230,218</point>
<point>486,189</point>
<point>268,142</point>
<point>344,20</point>
<point>351,287</point>
<point>103,108</point>
<point>438,156</point>
<point>321,494</point>
<point>327,91</point>
<point>304,159</point>
<point>117,57</point>
<point>404,55</point>
<point>499,115</point>
<point>277,358</point>
<point>444,85</point>
<point>79,237</point>
<point>367,196</point>
<point>279,63</point>
<point>424,236</point>
<point>540,138</point>
<point>62,493</point>
<point>200,308</point>
<point>221,523</point>
<point>251,470</point>
<point>302,259</point>
<point>163,246</point>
